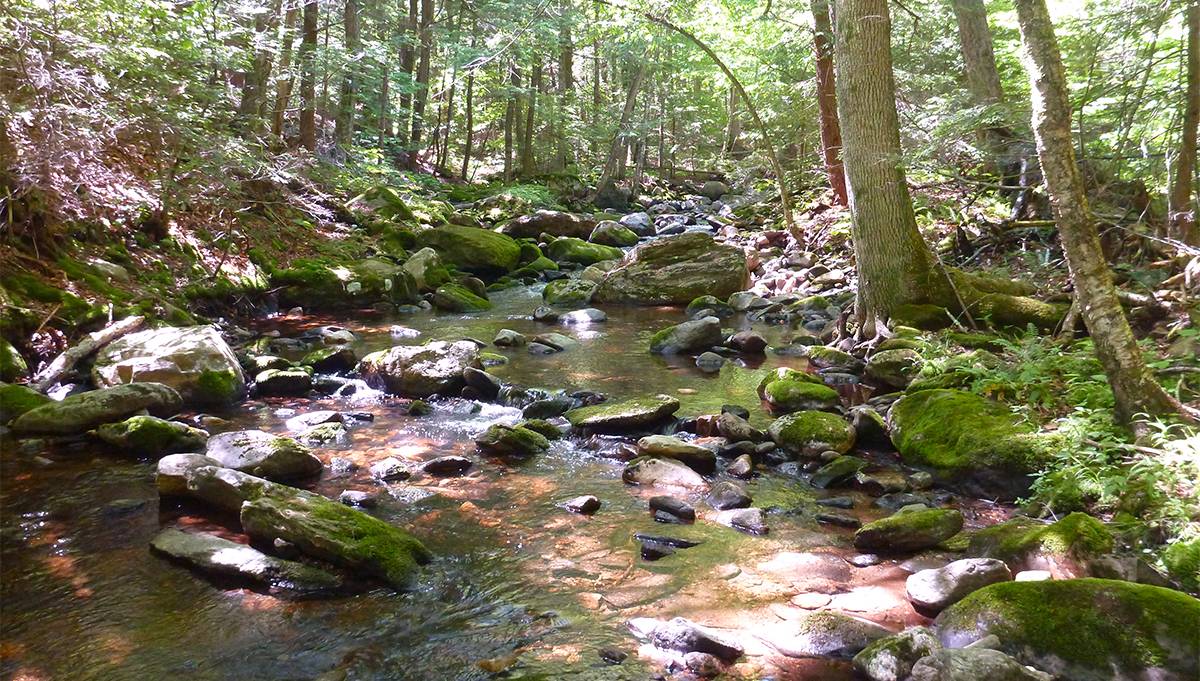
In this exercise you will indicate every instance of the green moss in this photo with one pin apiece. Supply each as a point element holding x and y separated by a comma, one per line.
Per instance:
<point>150,436</point>
<point>1182,560</point>
<point>569,292</point>
<point>472,249</point>
<point>632,413</point>
<point>790,395</point>
<point>1076,538</point>
<point>900,344</point>
<point>785,374</point>
<point>12,364</point>
<point>825,356</point>
<point>457,298</point>
<point>975,341</point>
<point>718,306</point>
<point>811,432</point>
<point>909,530</point>
<point>571,249</point>
<point>925,317</point>
<point>505,440</point>
<point>544,428</point>
<point>18,399</point>
<point>215,387</point>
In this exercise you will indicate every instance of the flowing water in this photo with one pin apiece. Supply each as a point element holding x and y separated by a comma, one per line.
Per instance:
<point>518,584</point>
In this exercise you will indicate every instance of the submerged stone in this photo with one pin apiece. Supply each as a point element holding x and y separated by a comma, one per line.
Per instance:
<point>212,554</point>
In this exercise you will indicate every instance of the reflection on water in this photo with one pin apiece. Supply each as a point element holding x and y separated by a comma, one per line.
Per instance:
<point>518,584</point>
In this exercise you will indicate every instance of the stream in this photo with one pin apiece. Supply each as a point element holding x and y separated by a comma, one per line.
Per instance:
<point>519,588</point>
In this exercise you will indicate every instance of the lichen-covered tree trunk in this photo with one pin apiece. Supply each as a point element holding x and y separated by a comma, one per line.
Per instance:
<point>1183,210</point>
<point>831,132</point>
<point>895,267</point>
<point>1133,386</point>
<point>308,78</point>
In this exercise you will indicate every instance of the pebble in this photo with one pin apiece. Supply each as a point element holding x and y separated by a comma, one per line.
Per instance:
<point>863,560</point>
<point>447,465</point>
<point>810,600</point>
<point>583,505</point>
<point>836,502</point>
<point>839,519</point>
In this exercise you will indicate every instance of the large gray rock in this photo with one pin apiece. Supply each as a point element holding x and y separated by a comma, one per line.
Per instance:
<point>626,416</point>
<point>194,360</point>
<point>421,370</point>
<point>654,472</point>
<point>694,336</point>
<point>714,189</point>
<point>263,455</point>
<point>173,469</point>
<point>83,411</point>
<point>699,459</point>
<point>892,658</point>
<point>553,222</point>
<point>825,633</point>
<point>931,591</point>
<point>214,555</point>
<point>674,271</point>
<point>975,664</point>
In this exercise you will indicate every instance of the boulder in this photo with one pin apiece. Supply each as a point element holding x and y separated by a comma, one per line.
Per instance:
<point>786,396</point>
<point>892,658</point>
<point>693,336</point>
<point>338,286</point>
<point>808,433</point>
<point>725,495</point>
<point>570,249</point>
<point>670,509</point>
<point>1066,548</point>
<point>908,531</point>
<point>684,636</point>
<point>427,270</point>
<point>825,633</point>
<point>171,474</point>
<point>215,555</point>
<point>151,436</point>
<point>714,189</point>
<point>421,370</point>
<point>609,233</point>
<point>329,359</point>
<point>974,664</point>
<point>294,381</point>
<point>748,520</point>
<point>968,442</point>
<point>625,416</point>
<point>674,271</point>
<point>223,488</point>
<point>714,306</point>
<point>894,368</point>
<point>507,338</point>
<point>1083,629</point>
<point>17,399</point>
<point>553,222</point>
<point>737,429</point>
<point>932,591</point>
<point>516,441</point>
<point>478,251</point>
<point>263,455</point>
<point>194,360</point>
<point>12,364</point>
<point>839,470</point>
<point>569,292</point>
<point>639,223</point>
<point>459,298</point>
<point>652,472</point>
<point>698,458</point>
<point>84,411</point>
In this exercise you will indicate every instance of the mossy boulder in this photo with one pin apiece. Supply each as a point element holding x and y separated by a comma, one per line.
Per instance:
<point>789,395</point>
<point>18,399</point>
<point>263,455</point>
<point>610,233</point>
<point>785,374</point>
<point>823,357</point>
<point>894,368</point>
<point>150,436</point>
<point>329,359</point>
<point>713,304</point>
<point>479,251</point>
<point>542,427</point>
<point>692,336</point>
<point>1065,548</point>
<point>700,459</point>
<point>516,441</point>
<point>535,267</point>
<point>1084,629</point>
<point>625,416</point>
<point>427,270</point>
<point>194,360</point>
<point>12,364</point>
<point>570,249</point>
<point>1182,560</point>
<point>675,270</point>
<point>924,317</point>
<point>808,433</point>
<point>283,382</point>
<point>969,442</point>
<point>596,273</point>
<point>553,222</point>
<point>84,411</point>
<point>892,658</point>
<point>335,286</point>
<point>568,292</point>
<point>909,531</point>
<point>458,298</point>
<point>228,559</point>
<point>421,370</point>
<point>839,470</point>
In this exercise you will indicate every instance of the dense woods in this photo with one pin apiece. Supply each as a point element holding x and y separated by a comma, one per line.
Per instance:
<point>600,339</point>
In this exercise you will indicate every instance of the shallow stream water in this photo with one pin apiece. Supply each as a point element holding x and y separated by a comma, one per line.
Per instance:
<point>518,583</point>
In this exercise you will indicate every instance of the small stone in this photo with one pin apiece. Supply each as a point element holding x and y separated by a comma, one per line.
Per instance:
<point>672,510</point>
<point>583,505</point>
<point>353,497</point>
<point>390,469</point>
<point>507,338</point>
<point>839,519</point>
<point>1033,576</point>
<point>702,664</point>
<point>742,467</point>
<point>836,502</point>
<point>920,480</point>
<point>444,466</point>
<point>710,362</point>
<point>810,600</point>
<point>748,520</point>
<point>863,560</point>
<point>727,495</point>
<point>612,655</point>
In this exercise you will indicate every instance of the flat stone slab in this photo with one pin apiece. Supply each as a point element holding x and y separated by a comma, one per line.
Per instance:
<point>215,555</point>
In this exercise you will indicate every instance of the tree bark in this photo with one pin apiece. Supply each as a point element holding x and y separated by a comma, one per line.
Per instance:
<point>831,132</point>
<point>421,96</point>
<point>527,151</point>
<point>308,77</point>
<point>408,61</point>
<point>1183,224</point>
<point>617,149</point>
<point>510,119</point>
<point>284,79</point>
<point>979,60</point>
<point>254,92</point>
<point>895,267</point>
<point>343,128</point>
<point>733,127</point>
<point>1134,387</point>
<point>566,87</point>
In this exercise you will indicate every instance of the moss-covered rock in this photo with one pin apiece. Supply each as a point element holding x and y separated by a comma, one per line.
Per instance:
<point>263,455</point>
<point>329,359</point>
<point>809,433</point>
<point>570,249</point>
<point>535,267</point>
<point>18,399</point>
<point>692,336</point>
<point>1182,560</point>
<point>968,442</point>
<point>1084,629</point>
<point>458,298</point>
<point>330,285</point>
<point>839,470</point>
<point>610,233</point>
<point>924,317</point>
<point>12,364</point>
<point>282,382</point>
<point>518,441</point>
<point>84,411</point>
<point>785,374</point>
<point>713,304</point>
<point>823,356</point>
<point>194,360</point>
<point>892,658</point>
<point>908,531</point>
<point>150,436</point>
<point>956,372</point>
<point>542,427</point>
<point>789,395</point>
<point>568,292</point>
<point>674,271</point>
<point>629,415</point>
<point>899,343</point>
<point>421,370</point>
<point>427,269</point>
<point>1065,548</point>
<point>479,251</point>
<point>553,222</point>
<point>894,368</point>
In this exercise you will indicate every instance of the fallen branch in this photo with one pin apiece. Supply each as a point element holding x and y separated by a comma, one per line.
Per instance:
<point>55,370</point>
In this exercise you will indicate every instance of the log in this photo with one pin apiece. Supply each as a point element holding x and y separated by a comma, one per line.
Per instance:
<point>49,375</point>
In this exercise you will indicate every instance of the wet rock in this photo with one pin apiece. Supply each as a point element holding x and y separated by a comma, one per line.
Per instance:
<point>589,315</point>
<point>353,497</point>
<point>639,223</point>
<point>653,550</point>
<point>907,532</point>
<point>826,633</point>
<point>626,416</point>
<point>703,664</point>
<point>552,222</point>
<point>839,519</point>
<point>898,500</point>
<point>864,560</point>
<point>880,483</point>
<point>570,249</point>
<point>610,233</point>
<point>283,382</point>
<point>870,428</point>
<point>748,520</point>
<point>699,459</point>
<point>652,472</point>
<point>710,362</point>
<point>836,502</point>
<point>390,469</point>
<point>12,364</point>
<point>748,343</point>
<point>727,495</point>
<point>330,359</point>
<point>214,555</point>
<point>545,315</point>
<point>674,271</point>
<point>548,408</point>
<point>737,429</point>
<point>920,480</point>
<point>224,488</point>
<point>427,269</point>
<point>742,467</point>
<point>837,471</point>
<point>568,292</point>
<point>151,436</point>
<point>454,297</point>
<point>689,337</point>
<point>684,636</point>
<point>557,341</point>
<point>892,658</point>
<point>823,357</point>
<point>263,455</point>
<point>671,510</point>
<point>894,368</point>
<point>514,441</point>
<point>808,433</point>
<point>1065,548</point>
<point>15,400</point>
<point>612,655</point>
<point>931,591</point>
<point>712,304</point>
<point>507,338</point>
<point>973,665</point>
<point>487,385</point>
<point>540,349</point>
<point>744,301</point>
<point>421,370</point>
<point>194,360</point>
<point>172,472</point>
<point>584,505</point>
<point>471,249</point>
<point>83,411</point>
<point>446,466</point>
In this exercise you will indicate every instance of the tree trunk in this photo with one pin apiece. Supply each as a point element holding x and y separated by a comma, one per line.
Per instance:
<point>975,42</point>
<point>284,79</point>
<point>1182,209</point>
<point>421,96</point>
<point>254,92</point>
<point>343,128</point>
<point>831,132</point>
<point>510,119</point>
<point>308,78</point>
<point>895,267</point>
<point>1133,385</point>
<point>617,149</point>
<point>408,60</point>
<point>535,84</point>
<point>566,87</point>
<point>733,127</point>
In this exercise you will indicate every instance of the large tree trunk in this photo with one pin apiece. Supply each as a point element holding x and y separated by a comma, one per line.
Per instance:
<point>408,62</point>
<point>566,87</point>
<point>343,128</point>
<point>1133,386</point>
<point>979,62</point>
<point>421,96</point>
<point>831,132</point>
<point>895,267</point>
<point>617,149</point>
<point>1182,208</point>
<point>510,119</point>
<point>308,78</point>
<point>284,79</point>
<point>535,84</point>
<point>733,127</point>
<point>254,92</point>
